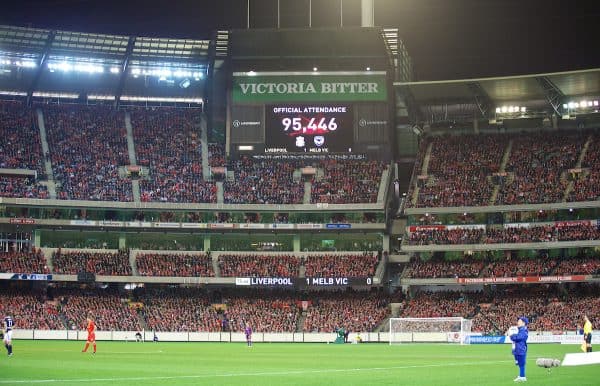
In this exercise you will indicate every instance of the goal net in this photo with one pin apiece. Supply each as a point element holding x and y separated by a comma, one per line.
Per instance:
<point>430,330</point>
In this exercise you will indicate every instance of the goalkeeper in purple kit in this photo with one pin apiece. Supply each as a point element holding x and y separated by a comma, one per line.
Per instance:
<point>248,332</point>
<point>519,346</point>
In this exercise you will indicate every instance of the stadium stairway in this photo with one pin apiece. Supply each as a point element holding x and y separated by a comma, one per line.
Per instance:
<point>571,183</point>
<point>302,271</point>
<point>383,185</point>
<point>135,184</point>
<point>220,194</point>
<point>215,264</point>
<point>130,142</point>
<point>502,169</point>
<point>384,326</point>
<point>132,255</point>
<point>50,184</point>
<point>300,321</point>
<point>307,192</point>
<point>424,168</point>
<point>202,128</point>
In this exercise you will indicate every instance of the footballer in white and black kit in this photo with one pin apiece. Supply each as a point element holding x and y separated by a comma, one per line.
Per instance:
<point>8,329</point>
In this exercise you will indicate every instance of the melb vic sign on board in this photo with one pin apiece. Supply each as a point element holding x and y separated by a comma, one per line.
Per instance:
<point>309,88</point>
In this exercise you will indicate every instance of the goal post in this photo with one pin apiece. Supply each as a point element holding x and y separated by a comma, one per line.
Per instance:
<point>430,330</point>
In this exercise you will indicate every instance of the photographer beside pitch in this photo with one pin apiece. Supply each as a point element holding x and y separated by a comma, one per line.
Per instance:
<point>519,337</point>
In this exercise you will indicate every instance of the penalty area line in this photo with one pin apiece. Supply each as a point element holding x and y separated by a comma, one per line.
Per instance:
<point>261,374</point>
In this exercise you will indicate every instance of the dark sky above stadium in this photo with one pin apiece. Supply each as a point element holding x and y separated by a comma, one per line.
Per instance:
<point>447,39</point>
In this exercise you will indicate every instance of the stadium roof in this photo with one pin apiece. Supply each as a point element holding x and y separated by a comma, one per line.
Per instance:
<point>550,89</point>
<point>33,43</point>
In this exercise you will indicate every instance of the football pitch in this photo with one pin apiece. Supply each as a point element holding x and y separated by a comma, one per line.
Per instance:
<point>163,363</point>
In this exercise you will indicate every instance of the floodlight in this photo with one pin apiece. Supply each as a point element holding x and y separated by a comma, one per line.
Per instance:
<point>504,109</point>
<point>498,110</point>
<point>114,70</point>
<point>523,109</point>
<point>590,103</point>
<point>595,103</point>
<point>315,69</point>
<point>565,106</point>
<point>571,105</point>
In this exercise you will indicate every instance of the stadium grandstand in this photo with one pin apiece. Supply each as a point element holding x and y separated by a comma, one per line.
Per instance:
<point>193,186</point>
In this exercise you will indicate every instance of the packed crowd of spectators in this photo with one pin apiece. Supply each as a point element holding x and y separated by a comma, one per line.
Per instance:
<point>587,187</point>
<point>264,312</point>
<point>20,145</point>
<point>565,314</point>
<point>353,311</point>
<point>510,302</point>
<point>20,148</point>
<point>459,168</point>
<point>257,265</point>
<point>23,262</point>
<point>180,309</point>
<point>463,170</point>
<point>108,310</point>
<point>438,304</point>
<point>519,267</point>
<point>100,263</point>
<point>578,266</point>
<point>446,236</point>
<point>167,141</point>
<point>216,154</point>
<point>509,235</point>
<point>544,233</point>
<point>20,187</point>
<point>347,182</point>
<point>87,145</point>
<point>509,267</point>
<point>537,162</point>
<point>444,269</point>
<point>263,182</point>
<point>342,265</point>
<point>30,310</point>
<point>154,264</point>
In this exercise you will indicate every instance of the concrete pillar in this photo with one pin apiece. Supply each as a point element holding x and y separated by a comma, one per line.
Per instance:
<point>206,243</point>
<point>296,243</point>
<point>367,16</point>
<point>37,238</point>
<point>386,243</point>
<point>122,241</point>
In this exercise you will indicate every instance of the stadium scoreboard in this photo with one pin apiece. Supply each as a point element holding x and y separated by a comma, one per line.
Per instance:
<point>304,282</point>
<point>308,128</point>
<point>309,113</point>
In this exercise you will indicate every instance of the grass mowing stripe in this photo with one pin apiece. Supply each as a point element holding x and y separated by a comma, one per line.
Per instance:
<point>273,373</point>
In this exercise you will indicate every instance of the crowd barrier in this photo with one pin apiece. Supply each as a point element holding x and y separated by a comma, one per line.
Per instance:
<point>297,337</point>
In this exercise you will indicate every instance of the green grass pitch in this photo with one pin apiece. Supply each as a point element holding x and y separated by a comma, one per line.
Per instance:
<point>130,363</point>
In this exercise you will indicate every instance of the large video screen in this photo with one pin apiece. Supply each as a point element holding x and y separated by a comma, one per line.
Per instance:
<point>309,128</point>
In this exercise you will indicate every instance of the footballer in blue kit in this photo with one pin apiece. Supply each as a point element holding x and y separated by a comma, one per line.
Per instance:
<point>8,327</point>
<point>519,346</point>
<point>248,332</point>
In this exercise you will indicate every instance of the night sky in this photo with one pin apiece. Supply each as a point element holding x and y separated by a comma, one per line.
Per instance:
<point>447,39</point>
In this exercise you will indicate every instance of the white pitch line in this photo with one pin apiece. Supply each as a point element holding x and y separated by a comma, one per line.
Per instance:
<point>274,373</point>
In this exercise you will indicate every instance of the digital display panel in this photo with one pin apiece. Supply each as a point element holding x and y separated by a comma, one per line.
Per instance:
<point>309,128</point>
